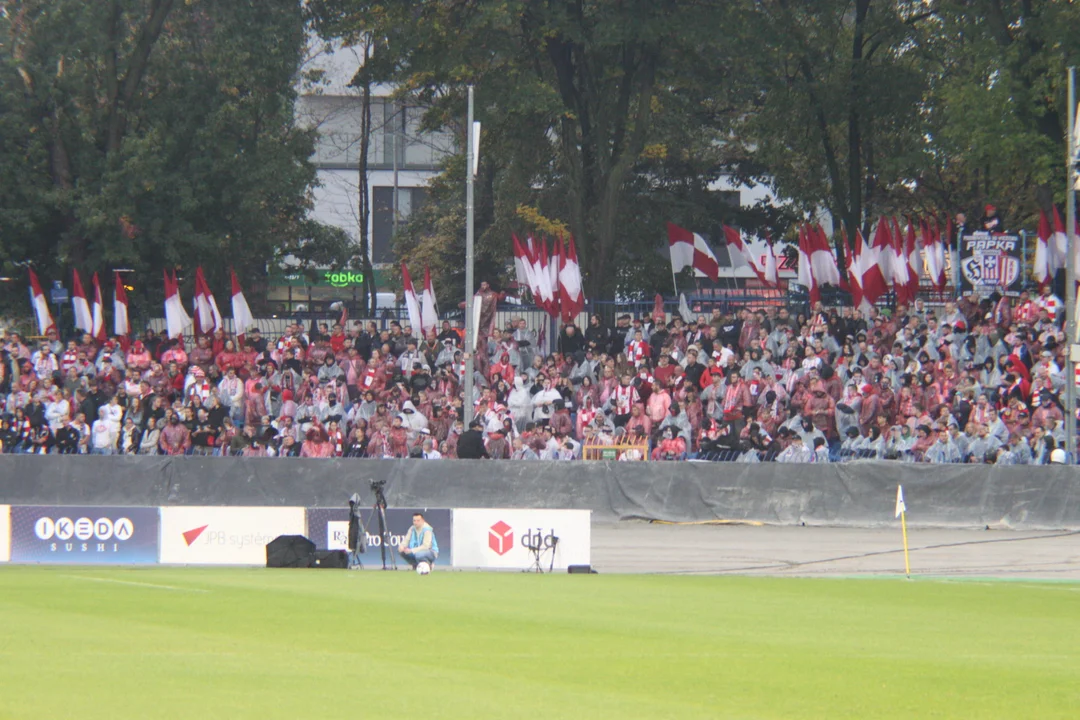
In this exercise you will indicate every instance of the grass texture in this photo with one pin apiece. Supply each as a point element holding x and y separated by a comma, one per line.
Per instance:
<point>93,642</point>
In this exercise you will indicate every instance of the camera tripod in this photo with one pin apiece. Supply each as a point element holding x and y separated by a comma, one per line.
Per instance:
<point>537,549</point>
<point>380,511</point>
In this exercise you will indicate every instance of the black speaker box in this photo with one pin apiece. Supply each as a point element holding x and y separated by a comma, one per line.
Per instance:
<point>331,559</point>
<point>290,551</point>
<point>580,570</point>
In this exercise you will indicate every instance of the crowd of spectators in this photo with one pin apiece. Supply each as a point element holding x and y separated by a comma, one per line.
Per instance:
<point>972,381</point>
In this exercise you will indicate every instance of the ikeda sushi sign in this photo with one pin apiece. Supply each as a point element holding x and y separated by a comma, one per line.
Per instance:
<point>991,263</point>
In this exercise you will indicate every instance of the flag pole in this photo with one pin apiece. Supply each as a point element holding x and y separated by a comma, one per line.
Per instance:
<point>675,284</point>
<point>1070,272</point>
<point>470,288</point>
<point>901,512</point>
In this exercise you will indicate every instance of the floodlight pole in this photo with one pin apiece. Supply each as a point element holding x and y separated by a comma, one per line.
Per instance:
<point>1070,271</point>
<point>470,288</point>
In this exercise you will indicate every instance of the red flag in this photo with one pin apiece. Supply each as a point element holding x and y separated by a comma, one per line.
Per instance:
<point>854,286</point>
<point>412,304</point>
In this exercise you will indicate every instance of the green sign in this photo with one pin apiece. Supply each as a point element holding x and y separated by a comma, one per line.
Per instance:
<point>344,278</point>
<point>329,278</point>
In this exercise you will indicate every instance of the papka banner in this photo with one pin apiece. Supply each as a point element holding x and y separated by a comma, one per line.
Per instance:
<point>990,263</point>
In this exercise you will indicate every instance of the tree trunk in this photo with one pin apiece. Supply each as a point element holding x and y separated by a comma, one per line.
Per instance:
<point>369,304</point>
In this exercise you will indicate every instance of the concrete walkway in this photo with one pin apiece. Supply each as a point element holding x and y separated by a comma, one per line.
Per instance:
<point>641,547</point>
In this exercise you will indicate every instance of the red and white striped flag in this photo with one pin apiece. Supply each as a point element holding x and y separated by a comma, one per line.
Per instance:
<point>817,264</point>
<point>41,305</point>
<point>429,311</point>
<point>689,249</point>
<point>206,315</point>
<point>98,312</point>
<point>523,267</point>
<point>935,255</point>
<point>914,260</point>
<point>412,304</point>
<point>867,265</point>
<point>1059,245</point>
<point>176,319</point>
<point>757,254</point>
<point>121,327</point>
<point>84,321</point>
<point>241,313</point>
<point>571,295</point>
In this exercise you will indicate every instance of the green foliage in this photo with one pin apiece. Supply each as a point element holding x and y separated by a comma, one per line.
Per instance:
<point>154,133</point>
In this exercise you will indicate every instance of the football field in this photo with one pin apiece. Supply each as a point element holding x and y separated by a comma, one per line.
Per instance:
<point>97,642</point>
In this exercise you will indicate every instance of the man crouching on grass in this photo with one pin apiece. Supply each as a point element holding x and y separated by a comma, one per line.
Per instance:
<point>419,547</point>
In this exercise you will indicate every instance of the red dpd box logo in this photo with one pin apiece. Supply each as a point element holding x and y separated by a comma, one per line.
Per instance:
<point>500,538</point>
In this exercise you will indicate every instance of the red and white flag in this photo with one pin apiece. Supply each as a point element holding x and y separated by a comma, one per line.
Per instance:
<point>900,273</point>
<point>854,284</point>
<point>176,319</point>
<point>98,312</point>
<point>41,305</point>
<point>817,264</point>
<point>523,268</point>
<point>935,254</point>
<point>121,327</point>
<point>571,295</point>
<point>84,321</point>
<point>867,264</point>
<point>914,259</point>
<point>689,249</point>
<point>543,278</point>
<point>757,254</point>
<point>542,294</point>
<point>554,263</point>
<point>1059,245</point>
<point>206,315</point>
<point>1040,267</point>
<point>241,313</point>
<point>429,311</point>
<point>412,304</point>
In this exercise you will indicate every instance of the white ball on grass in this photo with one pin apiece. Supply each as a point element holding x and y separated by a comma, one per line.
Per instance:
<point>423,568</point>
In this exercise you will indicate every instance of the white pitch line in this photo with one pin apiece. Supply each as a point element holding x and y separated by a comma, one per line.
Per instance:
<point>137,584</point>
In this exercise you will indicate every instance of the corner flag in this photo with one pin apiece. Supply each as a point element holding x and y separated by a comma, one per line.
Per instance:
<point>901,508</point>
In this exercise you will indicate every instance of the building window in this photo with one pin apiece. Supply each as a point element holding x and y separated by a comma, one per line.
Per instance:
<point>382,218</point>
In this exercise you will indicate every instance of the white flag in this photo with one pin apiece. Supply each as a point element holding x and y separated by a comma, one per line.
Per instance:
<point>900,506</point>
<point>684,309</point>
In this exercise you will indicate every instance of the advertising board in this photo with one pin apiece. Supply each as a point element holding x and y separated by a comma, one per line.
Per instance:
<point>83,535</point>
<point>522,539</point>
<point>224,535</point>
<point>991,263</point>
<point>329,528</point>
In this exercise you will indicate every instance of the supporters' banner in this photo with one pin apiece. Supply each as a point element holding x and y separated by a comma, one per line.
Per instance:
<point>510,538</point>
<point>5,533</point>
<point>329,528</point>
<point>224,535</point>
<point>84,535</point>
<point>990,263</point>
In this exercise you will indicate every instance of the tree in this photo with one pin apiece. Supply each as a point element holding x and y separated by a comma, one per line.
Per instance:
<point>567,93</point>
<point>155,133</point>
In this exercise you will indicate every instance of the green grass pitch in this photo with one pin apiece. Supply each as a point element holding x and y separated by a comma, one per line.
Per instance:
<point>189,643</point>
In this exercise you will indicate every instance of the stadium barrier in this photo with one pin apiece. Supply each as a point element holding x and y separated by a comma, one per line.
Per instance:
<point>221,535</point>
<point>859,493</point>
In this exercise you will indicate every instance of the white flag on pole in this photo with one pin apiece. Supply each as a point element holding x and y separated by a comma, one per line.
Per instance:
<point>901,508</point>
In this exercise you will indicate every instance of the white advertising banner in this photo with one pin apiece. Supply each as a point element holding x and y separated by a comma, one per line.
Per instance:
<point>5,533</point>
<point>225,535</point>
<point>521,539</point>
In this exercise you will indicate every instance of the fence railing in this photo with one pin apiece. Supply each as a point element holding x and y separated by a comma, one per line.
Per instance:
<point>635,453</point>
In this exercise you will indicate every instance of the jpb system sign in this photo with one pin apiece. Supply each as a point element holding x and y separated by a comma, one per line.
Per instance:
<point>329,528</point>
<point>224,535</point>
<point>518,538</point>
<point>84,535</point>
